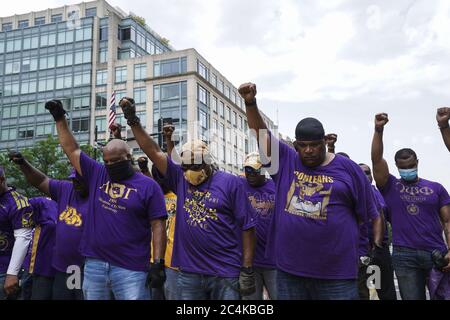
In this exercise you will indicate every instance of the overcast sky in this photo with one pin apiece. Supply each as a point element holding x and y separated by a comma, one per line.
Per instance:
<point>339,61</point>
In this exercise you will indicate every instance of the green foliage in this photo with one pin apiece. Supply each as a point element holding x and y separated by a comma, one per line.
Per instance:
<point>165,41</point>
<point>138,19</point>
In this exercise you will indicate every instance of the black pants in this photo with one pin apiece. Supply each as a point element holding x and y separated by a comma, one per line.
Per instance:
<point>42,288</point>
<point>61,291</point>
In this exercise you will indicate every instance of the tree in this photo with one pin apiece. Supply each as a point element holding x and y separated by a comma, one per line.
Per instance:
<point>47,156</point>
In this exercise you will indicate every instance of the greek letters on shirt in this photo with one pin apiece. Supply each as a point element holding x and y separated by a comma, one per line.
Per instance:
<point>309,195</point>
<point>115,191</point>
<point>412,195</point>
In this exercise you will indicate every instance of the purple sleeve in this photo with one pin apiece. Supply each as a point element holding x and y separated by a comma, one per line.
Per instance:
<point>89,167</point>
<point>55,187</point>
<point>173,175</point>
<point>244,213</point>
<point>444,198</point>
<point>389,184</point>
<point>21,213</point>
<point>156,206</point>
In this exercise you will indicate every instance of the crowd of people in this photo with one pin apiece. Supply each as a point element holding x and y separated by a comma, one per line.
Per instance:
<point>301,222</point>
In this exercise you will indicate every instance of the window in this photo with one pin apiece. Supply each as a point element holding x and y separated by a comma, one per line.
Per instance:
<point>240,123</point>
<point>222,154</point>
<point>103,55</point>
<point>91,12</point>
<point>102,76</point>
<point>30,42</point>
<point>44,129</point>
<point>234,119</point>
<point>233,97</point>
<point>103,33</point>
<point>26,132</point>
<point>10,112</point>
<point>12,67</point>
<point>82,57</point>
<point>227,92</point>
<point>47,62</point>
<point>203,95</point>
<point>140,95</point>
<point>39,20</point>
<point>48,39</point>
<point>126,54</point>
<point>202,70</point>
<point>100,123</point>
<point>9,134</point>
<point>169,67</point>
<point>64,59</point>
<point>221,131</point>
<point>121,74</point>
<point>125,34</point>
<point>23,24</point>
<point>203,119</point>
<point>100,100</point>
<point>140,71</point>
<point>220,86</point>
<point>80,124</point>
<point>56,18</point>
<point>82,34</point>
<point>214,104</point>
<point>65,36</point>
<point>214,80</point>
<point>7,26</point>
<point>82,79</point>
<point>228,114</point>
<point>28,86</point>
<point>13,45</point>
<point>11,89</point>
<point>81,102</point>
<point>120,94</point>
<point>221,108</point>
<point>63,81</point>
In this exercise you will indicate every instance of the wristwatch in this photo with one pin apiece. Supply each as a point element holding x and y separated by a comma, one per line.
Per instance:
<point>159,261</point>
<point>247,269</point>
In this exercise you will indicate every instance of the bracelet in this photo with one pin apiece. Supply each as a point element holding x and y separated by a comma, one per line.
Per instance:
<point>253,103</point>
<point>134,121</point>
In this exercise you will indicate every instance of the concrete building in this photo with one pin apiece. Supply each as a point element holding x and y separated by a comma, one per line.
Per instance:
<point>82,53</point>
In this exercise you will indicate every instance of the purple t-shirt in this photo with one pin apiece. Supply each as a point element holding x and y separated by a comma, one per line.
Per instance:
<point>15,213</point>
<point>72,210</point>
<point>117,226</point>
<point>43,241</point>
<point>262,200</point>
<point>209,223</point>
<point>414,213</point>
<point>317,216</point>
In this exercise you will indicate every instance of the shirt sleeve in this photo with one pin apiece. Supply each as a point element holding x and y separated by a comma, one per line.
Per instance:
<point>173,175</point>
<point>89,167</point>
<point>156,207</point>
<point>55,187</point>
<point>388,186</point>
<point>244,213</point>
<point>21,213</point>
<point>280,153</point>
<point>22,240</point>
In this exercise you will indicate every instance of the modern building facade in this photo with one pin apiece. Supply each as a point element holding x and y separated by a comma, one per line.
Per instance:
<point>82,53</point>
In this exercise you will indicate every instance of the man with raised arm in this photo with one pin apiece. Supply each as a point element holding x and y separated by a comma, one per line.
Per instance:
<point>419,212</point>
<point>442,117</point>
<point>123,205</point>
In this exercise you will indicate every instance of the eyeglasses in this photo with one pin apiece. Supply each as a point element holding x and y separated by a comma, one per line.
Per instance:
<point>250,170</point>
<point>193,167</point>
<point>367,172</point>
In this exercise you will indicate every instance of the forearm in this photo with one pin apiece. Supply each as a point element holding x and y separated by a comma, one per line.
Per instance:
<point>35,177</point>
<point>248,247</point>
<point>331,149</point>
<point>256,123</point>
<point>69,144</point>
<point>150,147</point>
<point>377,146</point>
<point>159,238</point>
<point>446,136</point>
<point>21,243</point>
<point>378,230</point>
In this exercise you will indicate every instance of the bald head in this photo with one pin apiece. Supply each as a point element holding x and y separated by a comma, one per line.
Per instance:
<point>116,150</point>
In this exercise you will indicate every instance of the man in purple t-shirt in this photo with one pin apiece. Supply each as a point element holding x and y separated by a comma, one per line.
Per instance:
<point>72,203</point>
<point>16,223</point>
<point>125,207</point>
<point>214,229</point>
<point>418,209</point>
<point>322,199</point>
<point>261,194</point>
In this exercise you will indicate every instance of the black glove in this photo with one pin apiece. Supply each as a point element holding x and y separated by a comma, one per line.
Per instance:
<point>156,276</point>
<point>247,281</point>
<point>16,157</point>
<point>143,164</point>
<point>56,109</point>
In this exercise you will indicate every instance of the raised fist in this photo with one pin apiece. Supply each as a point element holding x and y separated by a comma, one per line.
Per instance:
<point>442,116</point>
<point>56,109</point>
<point>380,120</point>
<point>116,130</point>
<point>16,157</point>
<point>143,163</point>
<point>248,92</point>
<point>168,130</point>
<point>330,139</point>
<point>128,107</point>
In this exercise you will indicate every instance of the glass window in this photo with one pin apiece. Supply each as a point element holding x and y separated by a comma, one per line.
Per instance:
<point>56,18</point>
<point>28,86</point>
<point>63,81</point>
<point>220,86</point>
<point>39,20</point>
<point>91,12</point>
<point>82,79</point>
<point>140,95</point>
<point>23,24</point>
<point>65,59</point>
<point>228,114</point>
<point>100,100</point>
<point>125,34</point>
<point>121,74</point>
<point>100,122</point>
<point>227,92</point>
<point>103,55</point>
<point>44,129</point>
<point>103,33</point>
<point>102,76</point>
<point>221,109</point>
<point>202,95</point>
<point>214,104</point>
<point>214,80</point>
<point>48,39</point>
<point>82,57</point>
<point>234,119</point>
<point>26,132</point>
<point>169,67</point>
<point>140,71</point>
<point>80,124</point>
<point>81,102</point>
<point>7,26</point>
<point>202,70</point>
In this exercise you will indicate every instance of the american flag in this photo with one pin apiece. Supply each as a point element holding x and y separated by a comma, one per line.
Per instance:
<point>112,110</point>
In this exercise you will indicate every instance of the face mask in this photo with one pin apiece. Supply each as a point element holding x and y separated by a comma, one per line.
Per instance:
<point>408,174</point>
<point>195,177</point>
<point>120,170</point>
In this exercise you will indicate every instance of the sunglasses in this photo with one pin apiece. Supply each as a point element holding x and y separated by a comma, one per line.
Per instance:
<point>250,170</point>
<point>367,172</point>
<point>193,167</point>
